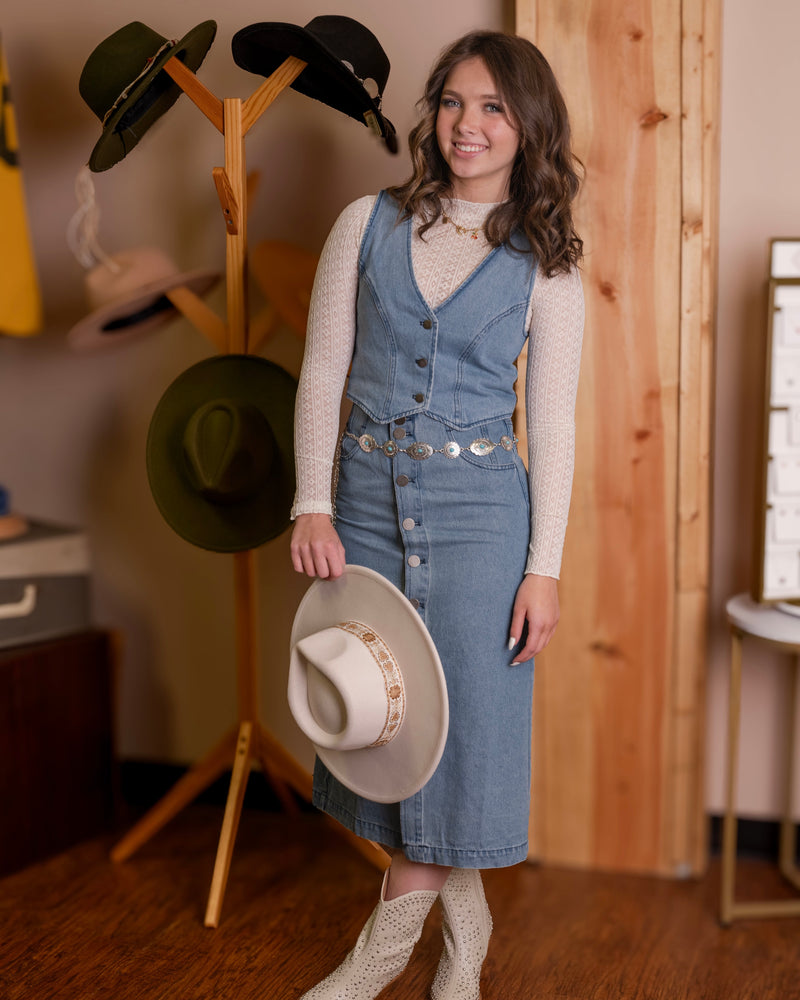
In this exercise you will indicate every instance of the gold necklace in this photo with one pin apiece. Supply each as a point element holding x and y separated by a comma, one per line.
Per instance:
<point>462,230</point>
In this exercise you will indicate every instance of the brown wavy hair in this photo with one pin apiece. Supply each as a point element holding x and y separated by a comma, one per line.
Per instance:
<point>545,175</point>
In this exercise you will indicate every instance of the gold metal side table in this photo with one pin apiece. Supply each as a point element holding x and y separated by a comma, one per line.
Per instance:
<point>781,630</point>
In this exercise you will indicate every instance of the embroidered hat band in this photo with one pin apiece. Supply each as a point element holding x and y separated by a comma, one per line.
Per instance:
<point>392,678</point>
<point>366,685</point>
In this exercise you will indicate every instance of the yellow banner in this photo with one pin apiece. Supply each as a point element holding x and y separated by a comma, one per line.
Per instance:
<point>20,302</point>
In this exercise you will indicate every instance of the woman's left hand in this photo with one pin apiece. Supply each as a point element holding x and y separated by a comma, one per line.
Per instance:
<point>536,605</point>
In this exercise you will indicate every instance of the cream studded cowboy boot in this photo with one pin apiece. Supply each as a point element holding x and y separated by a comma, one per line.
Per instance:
<point>382,950</point>
<point>466,925</point>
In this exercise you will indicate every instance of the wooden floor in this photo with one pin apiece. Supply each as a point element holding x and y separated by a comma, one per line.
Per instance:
<point>78,927</point>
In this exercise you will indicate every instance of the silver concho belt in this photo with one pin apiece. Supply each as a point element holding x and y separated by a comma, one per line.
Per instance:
<point>419,450</point>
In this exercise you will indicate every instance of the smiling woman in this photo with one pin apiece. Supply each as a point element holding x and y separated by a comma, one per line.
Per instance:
<point>477,139</point>
<point>509,94</point>
<point>427,294</point>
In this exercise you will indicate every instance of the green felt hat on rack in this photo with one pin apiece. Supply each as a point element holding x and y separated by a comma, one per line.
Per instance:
<point>124,84</point>
<point>220,452</point>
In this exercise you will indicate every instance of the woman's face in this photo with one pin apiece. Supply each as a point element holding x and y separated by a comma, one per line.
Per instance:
<point>475,133</point>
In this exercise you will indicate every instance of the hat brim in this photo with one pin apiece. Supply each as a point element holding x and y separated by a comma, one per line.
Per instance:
<point>399,769</point>
<point>143,311</point>
<point>247,523</point>
<point>285,274</point>
<point>261,48</point>
<point>157,92</point>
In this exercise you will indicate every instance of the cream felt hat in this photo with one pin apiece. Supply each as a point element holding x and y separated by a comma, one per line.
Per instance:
<point>127,297</point>
<point>366,685</point>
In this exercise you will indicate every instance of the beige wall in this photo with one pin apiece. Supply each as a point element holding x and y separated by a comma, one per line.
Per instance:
<point>74,426</point>
<point>760,199</point>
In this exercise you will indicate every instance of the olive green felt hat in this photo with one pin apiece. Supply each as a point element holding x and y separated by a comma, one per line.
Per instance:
<point>123,84</point>
<point>220,455</point>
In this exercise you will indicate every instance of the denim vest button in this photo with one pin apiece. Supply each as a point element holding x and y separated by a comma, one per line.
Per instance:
<point>422,362</point>
<point>414,602</point>
<point>409,523</point>
<point>398,433</point>
<point>427,324</point>
<point>402,480</point>
<point>400,420</point>
<point>414,561</point>
<point>419,397</point>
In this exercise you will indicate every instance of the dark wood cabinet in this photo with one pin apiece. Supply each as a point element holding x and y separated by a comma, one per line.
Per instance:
<point>56,746</point>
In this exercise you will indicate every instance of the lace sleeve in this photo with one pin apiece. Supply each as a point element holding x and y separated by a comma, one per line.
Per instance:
<point>329,349</point>
<point>556,335</point>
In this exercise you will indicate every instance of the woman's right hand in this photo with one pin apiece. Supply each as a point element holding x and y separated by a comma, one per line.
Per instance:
<point>316,548</point>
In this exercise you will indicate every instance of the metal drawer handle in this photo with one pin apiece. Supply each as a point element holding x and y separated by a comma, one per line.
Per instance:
<point>22,608</point>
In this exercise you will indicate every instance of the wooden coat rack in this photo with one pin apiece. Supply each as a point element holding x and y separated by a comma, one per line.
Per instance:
<point>248,741</point>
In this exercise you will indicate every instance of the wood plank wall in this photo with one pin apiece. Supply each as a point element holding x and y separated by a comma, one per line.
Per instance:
<point>619,714</point>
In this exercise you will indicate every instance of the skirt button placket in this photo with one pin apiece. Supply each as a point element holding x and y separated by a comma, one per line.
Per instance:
<point>408,471</point>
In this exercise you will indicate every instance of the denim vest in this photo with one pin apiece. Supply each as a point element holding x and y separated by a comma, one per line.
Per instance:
<point>455,362</point>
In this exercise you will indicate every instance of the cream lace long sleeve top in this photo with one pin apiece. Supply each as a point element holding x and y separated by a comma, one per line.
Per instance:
<point>442,260</point>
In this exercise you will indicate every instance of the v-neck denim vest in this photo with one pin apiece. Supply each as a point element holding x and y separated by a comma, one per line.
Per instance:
<point>455,362</point>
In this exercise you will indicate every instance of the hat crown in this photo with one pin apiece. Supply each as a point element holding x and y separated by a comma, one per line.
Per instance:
<point>126,273</point>
<point>115,63</point>
<point>354,44</point>
<point>346,67</point>
<point>174,452</point>
<point>228,446</point>
<point>354,692</point>
<point>372,609</point>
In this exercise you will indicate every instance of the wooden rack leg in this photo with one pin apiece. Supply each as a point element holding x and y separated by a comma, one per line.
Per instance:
<point>272,755</point>
<point>230,823</point>
<point>368,849</point>
<point>250,741</point>
<point>196,780</point>
<point>282,778</point>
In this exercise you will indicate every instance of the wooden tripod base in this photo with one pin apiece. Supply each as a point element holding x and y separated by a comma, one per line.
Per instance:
<point>242,746</point>
<point>249,741</point>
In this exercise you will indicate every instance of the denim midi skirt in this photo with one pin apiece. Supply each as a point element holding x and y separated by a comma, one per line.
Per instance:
<point>452,534</point>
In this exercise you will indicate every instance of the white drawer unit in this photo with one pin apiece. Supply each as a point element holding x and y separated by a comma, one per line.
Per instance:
<point>783,524</point>
<point>778,528</point>
<point>787,322</point>
<point>786,377</point>
<point>784,476</point>
<point>779,430</point>
<point>781,573</point>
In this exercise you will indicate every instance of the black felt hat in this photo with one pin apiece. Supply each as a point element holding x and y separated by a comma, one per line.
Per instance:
<point>347,68</point>
<point>123,83</point>
<point>220,454</point>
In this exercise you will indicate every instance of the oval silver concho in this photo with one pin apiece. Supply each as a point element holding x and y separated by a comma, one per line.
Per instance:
<point>482,446</point>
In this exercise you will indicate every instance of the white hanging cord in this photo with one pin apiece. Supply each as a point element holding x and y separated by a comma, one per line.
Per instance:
<point>84,225</point>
